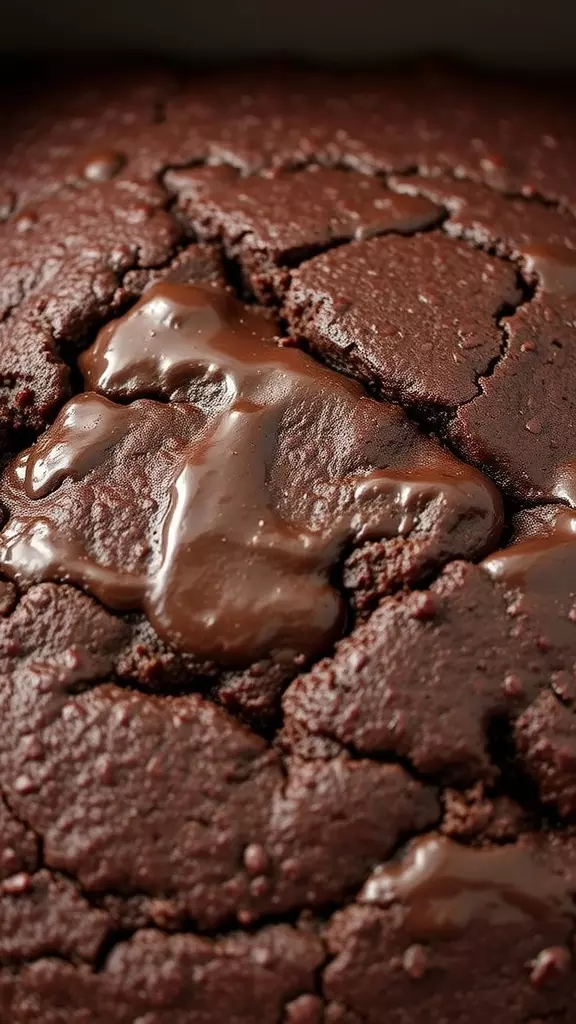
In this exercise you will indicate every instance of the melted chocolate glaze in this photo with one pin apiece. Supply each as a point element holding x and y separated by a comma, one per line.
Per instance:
<point>543,563</point>
<point>444,887</point>
<point>139,814</point>
<point>248,522</point>
<point>554,266</point>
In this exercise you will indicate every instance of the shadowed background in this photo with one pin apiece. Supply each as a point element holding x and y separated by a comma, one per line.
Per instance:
<point>502,31</point>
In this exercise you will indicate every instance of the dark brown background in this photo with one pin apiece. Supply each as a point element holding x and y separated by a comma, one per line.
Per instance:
<point>525,33</point>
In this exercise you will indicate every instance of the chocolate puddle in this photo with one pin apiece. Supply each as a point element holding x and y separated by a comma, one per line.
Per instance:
<point>445,886</point>
<point>257,472</point>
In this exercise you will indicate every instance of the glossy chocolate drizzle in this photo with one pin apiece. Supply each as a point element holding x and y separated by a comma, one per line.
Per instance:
<point>555,268</point>
<point>543,563</point>
<point>265,464</point>
<point>444,887</point>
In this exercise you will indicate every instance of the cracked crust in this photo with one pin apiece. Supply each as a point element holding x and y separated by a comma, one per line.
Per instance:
<point>272,223</point>
<point>39,341</point>
<point>389,689</point>
<point>521,423</point>
<point>371,939</point>
<point>173,800</point>
<point>61,265</point>
<point>182,843</point>
<point>507,225</point>
<point>63,127</point>
<point>402,339</point>
<point>162,979</point>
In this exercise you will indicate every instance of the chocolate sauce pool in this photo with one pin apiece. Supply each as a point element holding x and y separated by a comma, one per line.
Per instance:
<point>266,465</point>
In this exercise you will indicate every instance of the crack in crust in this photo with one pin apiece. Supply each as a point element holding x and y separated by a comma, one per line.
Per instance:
<point>120,942</point>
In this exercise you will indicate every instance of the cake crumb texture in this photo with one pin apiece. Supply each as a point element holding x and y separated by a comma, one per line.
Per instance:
<point>287,547</point>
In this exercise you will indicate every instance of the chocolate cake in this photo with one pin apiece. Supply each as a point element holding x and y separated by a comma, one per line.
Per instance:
<point>287,548</point>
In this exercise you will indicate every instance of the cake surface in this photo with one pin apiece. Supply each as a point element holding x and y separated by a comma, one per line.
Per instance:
<point>287,548</point>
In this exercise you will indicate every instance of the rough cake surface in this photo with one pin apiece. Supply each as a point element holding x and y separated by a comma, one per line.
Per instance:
<point>287,548</point>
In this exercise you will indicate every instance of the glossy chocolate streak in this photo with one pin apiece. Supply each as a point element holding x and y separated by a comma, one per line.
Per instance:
<point>259,484</point>
<point>543,563</point>
<point>182,339</point>
<point>555,268</point>
<point>444,887</point>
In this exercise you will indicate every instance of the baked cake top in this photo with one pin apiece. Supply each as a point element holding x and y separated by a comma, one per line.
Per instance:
<point>288,548</point>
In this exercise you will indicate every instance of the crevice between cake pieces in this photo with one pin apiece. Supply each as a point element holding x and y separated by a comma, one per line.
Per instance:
<point>506,311</point>
<point>266,169</point>
<point>307,253</point>
<point>117,938</point>
<point>233,274</point>
<point>302,917</point>
<point>114,938</point>
<point>305,916</point>
<point>428,417</point>
<point>231,249</point>
<point>446,778</point>
<point>430,420</point>
<point>185,238</point>
<point>318,980</point>
<point>498,249</point>
<point>24,293</point>
<point>68,346</point>
<point>19,439</point>
<point>187,924</point>
<point>513,781</point>
<point>381,757</point>
<point>352,164</point>
<point>447,175</point>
